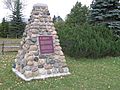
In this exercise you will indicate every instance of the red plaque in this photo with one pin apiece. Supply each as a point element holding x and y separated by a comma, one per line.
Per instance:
<point>46,44</point>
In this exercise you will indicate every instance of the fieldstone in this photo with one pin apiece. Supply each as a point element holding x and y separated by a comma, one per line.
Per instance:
<point>56,57</point>
<point>36,73</point>
<point>30,63</point>
<point>22,43</point>
<point>26,38</point>
<point>20,52</point>
<point>34,69</point>
<point>35,63</point>
<point>49,28</point>
<point>22,70</point>
<point>36,20</point>
<point>49,72</point>
<point>62,60</point>
<point>28,74</point>
<point>42,71</point>
<point>27,55</point>
<point>53,28</point>
<point>30,42</point>
<point>56,52</point>
<point>40,66</point>
<point>16,60</point>
<point>35,53</point>
<point>66,70</point>
<point>26,46</point>
<point>62,57</point>
<point>57,43</point>
<point>30,58</point>
<point>48,66</point>
<point>36,59</point>
<point>52,62</point>
<point>57,40</point>
<point>36,13</point>
<point>54,33</point>
<point>61,70</point>
<point>48,33</point>
<point>55,36</point>
<point>29,33</point>
<point>41,61</point>
<point>55,70</point>
<point>56,65</point>
<point>34,35</point>
<point>19,62</point>
<point>61,53</point>
<point>34,39</point>
<point>27,68</point>
<point>17,67</point>
<point>33,48</point>
<point>23,65</point>
<point>58,48</point>
<point>21,57</point>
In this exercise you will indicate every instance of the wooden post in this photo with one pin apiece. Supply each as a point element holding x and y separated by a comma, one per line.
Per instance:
<point>3,48</point>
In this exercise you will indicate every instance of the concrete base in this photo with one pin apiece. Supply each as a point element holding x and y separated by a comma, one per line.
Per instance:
<point>38,77</point>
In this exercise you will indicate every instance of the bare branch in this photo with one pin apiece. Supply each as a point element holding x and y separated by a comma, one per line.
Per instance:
<point>9,4</point>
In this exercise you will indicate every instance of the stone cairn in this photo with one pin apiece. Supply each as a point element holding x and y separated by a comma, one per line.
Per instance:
<point>30,63</point>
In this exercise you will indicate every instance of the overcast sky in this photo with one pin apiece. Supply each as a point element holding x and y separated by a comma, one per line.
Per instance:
<point>56,7</point>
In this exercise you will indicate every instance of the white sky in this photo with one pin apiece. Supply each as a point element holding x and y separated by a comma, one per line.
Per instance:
<point>56,7</point>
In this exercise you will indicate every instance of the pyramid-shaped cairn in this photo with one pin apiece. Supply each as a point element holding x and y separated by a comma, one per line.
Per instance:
<point>40,55</point>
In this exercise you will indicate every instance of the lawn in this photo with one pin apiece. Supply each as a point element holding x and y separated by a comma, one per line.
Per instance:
<point>86,74</point>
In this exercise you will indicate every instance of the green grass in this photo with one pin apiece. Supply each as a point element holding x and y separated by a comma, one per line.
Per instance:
<point>86,74</point>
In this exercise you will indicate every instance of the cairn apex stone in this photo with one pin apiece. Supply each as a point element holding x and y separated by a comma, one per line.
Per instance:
<point>40,5</point>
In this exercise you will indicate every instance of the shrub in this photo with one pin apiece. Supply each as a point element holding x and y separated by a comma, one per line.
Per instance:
<point>89,41</point>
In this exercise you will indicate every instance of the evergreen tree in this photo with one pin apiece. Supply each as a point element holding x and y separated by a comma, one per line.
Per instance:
<point>16,25</point>
<point>107,12</point>
<point>78,15</point>
<point>4,28</point>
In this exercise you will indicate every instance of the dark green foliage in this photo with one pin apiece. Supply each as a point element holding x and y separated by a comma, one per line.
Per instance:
<point>78,15</point>
<point>17,25</point>
<point>80,39</point>
<point>108,12</point>
<point>89,41</point>
<point>59,25</point>
<point>4,28</point>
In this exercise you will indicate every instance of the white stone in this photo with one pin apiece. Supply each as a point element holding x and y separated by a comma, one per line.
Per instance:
<point>41,61</point>
<point>30,63</point>
<point>58,48</point>
<point>35,64</point>
<point>42,71</point>
<point>54,32</point>
<point>61,53</point>
<point>66,70</point>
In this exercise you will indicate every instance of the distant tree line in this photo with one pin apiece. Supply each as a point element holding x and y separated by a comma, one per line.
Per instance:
<point>15,27</point>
